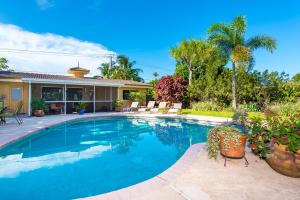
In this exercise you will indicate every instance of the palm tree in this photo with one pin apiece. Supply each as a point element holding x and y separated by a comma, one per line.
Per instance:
<point>123,69</point>
<point>3,64</point>
<point>155,76</point>
<point>193,54</point>
<point>231,38</point>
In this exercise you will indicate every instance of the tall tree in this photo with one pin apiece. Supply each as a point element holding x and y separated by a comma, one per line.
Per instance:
<point>3,64</point>
<point>296,78</point>
<point>192,54</point>
<point>231,38</point>
<point>123,69</point>
<point>155,76</point>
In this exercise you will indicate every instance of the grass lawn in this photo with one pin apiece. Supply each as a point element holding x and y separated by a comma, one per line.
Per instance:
<point>227,114</point>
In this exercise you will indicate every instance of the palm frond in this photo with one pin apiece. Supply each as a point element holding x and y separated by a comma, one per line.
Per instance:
<point>261,41</point>
<point>239,24</point>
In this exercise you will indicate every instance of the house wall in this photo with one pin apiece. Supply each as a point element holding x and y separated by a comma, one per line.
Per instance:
<point>6,90</point>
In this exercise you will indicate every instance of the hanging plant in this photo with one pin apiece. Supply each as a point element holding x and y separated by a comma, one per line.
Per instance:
<point>227,135</point>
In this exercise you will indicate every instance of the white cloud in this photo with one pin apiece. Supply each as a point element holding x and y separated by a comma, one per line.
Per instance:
<point>13,37</point>
<point>44,4</point>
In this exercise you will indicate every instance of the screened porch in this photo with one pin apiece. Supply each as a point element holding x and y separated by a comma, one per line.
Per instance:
<point>62,98</point>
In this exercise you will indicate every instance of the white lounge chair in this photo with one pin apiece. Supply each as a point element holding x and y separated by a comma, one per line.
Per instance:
<point>150,105</point>
<point>176,107</point>
<point>134,106</point>
<point>161,105</point>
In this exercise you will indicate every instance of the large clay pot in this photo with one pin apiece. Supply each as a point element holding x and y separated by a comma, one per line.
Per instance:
<point>38,113</point>
<point>284,162</point>
<point>233,151</point>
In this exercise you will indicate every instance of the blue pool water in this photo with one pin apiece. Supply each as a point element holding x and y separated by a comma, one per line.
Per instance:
<point>93,156</point>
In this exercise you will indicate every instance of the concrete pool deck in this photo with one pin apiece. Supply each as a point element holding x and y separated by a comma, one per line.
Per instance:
<point>192,177</point>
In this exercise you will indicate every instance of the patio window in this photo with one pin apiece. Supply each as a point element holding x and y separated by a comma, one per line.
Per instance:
<point>16,94</point>
<point>74,94</point>
<point>126,94</point>
<point>52,93</point>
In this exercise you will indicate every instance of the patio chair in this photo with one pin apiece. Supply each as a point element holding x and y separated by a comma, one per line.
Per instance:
<point>15,114</point>
<point>134,106</point>
<point>161,105</point>
<point>176,107</point>
<point>150,105</point>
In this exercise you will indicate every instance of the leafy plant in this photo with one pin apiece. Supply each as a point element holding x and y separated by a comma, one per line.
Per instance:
<point>137,96</point>
<point>281,125</point>
<point>39,104</point>
<point>207,106</point>
<point>259,137</point>
<point>80,106</point>
<point>117,103</point>
<point>171,89</point>
<point>230,134</point>
<point>251,107</point>
<point>241,116</point>
<point>286,109</point>
<point>285,130</point>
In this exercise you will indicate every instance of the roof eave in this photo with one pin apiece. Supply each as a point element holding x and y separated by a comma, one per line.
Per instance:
<point>50,81</point>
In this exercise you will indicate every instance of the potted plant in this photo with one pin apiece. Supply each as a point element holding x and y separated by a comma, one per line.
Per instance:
<point>227,140</point>
<point>276,138</point>
<point>39,107</point>
<point>80,107</point>
<point>117,104</point>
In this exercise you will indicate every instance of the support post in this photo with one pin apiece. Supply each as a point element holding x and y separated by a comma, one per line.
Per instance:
<point>29,98</point>
<point>94,98</point>
<point>65,99</point>
<point>110,98</point>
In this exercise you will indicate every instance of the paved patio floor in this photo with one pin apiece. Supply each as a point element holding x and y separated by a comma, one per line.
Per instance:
<point>193,177</point>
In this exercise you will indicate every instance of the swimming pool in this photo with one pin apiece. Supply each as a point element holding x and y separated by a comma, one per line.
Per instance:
<point>93,156</point>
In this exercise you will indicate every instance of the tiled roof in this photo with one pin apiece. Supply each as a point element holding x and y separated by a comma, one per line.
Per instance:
<point>91,80</point>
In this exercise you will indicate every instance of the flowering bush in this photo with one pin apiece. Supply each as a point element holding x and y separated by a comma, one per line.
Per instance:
<point>276,128</point>
<point>171,89</point>
<point>285,130</point>
<point>259,138</point>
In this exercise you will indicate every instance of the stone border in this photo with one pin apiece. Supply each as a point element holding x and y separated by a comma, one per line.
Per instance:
<point>152,184</point>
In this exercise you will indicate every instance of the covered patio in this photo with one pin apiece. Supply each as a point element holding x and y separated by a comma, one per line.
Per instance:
<point>62,97</point>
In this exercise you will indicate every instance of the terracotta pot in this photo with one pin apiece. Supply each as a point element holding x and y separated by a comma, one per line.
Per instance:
<point>284,162</point>
<point>39,113</point>
<point>233,151</point>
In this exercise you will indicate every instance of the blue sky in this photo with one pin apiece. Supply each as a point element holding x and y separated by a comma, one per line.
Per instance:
<point>145,30</point>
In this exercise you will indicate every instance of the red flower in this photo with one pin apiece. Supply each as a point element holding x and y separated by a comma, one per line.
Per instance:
<point>286,140</point>
<point>293,126</point>
<point>274,140</point>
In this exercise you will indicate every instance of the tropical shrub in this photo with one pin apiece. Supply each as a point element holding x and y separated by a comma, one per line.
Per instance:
<point>81,106</point>
<point>259,137</point>
<point>286,109</point>
<point>251,107</point>
<point>138,96</point>
<point>39,104</point>
<point>171,89</point>
<point>117,103</point>
<point>285,129</point>
<point>281,125</point>
<point>230,134</point>
<point>207,106</point>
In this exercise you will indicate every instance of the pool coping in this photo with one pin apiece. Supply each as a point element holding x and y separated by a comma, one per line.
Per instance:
<point>163,179</point>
